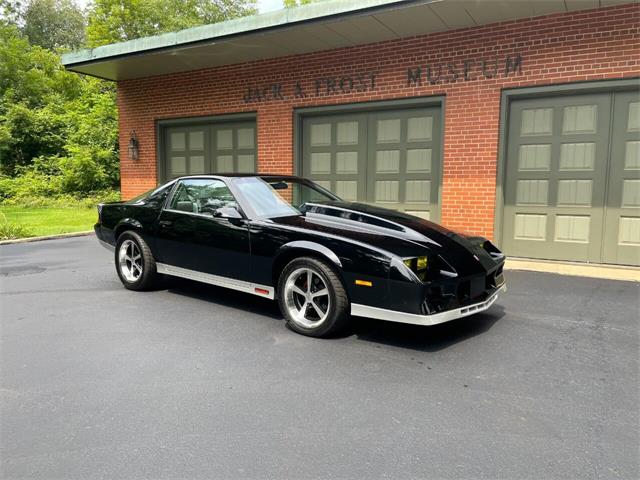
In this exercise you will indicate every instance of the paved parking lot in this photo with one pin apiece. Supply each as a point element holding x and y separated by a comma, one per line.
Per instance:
<point>199,382</point>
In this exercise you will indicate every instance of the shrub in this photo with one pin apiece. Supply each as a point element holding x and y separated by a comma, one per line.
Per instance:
<point>82,172</point>
<point>62,200</point>
<point>29,184</point>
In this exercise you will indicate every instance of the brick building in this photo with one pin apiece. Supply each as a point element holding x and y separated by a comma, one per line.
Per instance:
<point>519,121</point>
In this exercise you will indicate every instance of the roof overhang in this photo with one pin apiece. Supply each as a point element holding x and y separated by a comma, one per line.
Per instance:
<point>315,27</point>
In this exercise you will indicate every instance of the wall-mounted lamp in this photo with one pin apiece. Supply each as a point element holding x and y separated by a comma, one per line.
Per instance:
<point>134,146</point>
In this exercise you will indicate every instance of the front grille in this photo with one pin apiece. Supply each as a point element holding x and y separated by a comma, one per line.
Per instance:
<point>463,292</point>
<point>495,279</point>
<point>456,293</point>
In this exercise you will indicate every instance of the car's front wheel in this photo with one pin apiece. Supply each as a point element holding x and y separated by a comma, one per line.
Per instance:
<point>312,298</point>
<point>135,264</point>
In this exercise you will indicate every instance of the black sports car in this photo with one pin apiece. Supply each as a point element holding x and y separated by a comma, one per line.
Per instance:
<point>288,238</point>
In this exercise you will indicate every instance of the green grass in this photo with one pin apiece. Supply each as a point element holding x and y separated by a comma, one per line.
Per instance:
<point>20,222</point>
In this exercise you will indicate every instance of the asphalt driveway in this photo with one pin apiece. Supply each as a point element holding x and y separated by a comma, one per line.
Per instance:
<point>200,382</point>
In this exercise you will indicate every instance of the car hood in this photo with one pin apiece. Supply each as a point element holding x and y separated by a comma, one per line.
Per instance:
<point>396,232</point>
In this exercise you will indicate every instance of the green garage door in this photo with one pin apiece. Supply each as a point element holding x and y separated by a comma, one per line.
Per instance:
<point>388,158</point>
<point>209,148</point>
<point>572,187</point>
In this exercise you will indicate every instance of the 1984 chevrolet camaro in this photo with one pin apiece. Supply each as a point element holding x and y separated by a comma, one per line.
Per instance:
<point>287,238</point>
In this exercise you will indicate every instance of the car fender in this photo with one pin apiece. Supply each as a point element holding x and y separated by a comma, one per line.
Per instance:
<point>127,224</point>
<point>311,246</point>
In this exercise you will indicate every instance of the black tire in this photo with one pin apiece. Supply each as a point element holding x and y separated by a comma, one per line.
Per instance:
<point>149,277</point>
<point>338,313</point>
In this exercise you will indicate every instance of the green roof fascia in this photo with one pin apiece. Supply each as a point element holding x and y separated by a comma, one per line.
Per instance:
<point>245,25</point>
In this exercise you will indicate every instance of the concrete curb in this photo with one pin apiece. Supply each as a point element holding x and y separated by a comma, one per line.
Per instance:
<point>47,237</point>
<point>607,272</point>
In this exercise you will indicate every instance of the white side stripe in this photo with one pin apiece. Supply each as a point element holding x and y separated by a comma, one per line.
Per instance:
<point>232,283</point>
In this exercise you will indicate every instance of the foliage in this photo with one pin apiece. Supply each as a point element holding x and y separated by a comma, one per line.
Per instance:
<point>31,75</point>
<point>63,200</point>
<point>10,11</point>
<point>11,230</point>
<point>113,21</point>
<point>54,24</point>
<point>297,3</point>
<point>36,188</point>
<point>58,130</point>
<point>51,24</point>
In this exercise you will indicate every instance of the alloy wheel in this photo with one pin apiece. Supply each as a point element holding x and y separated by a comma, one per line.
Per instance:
<point>130,260</point>
<point>307,298</point>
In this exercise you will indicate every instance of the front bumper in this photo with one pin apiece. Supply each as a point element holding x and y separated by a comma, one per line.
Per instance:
<point>426,320</point>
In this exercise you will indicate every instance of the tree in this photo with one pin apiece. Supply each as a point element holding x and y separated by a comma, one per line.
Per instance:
<point>54,24</point>
<point>51,24</point>
<point>31,74</point>
<point>112,21</point>
<point>10,12</point>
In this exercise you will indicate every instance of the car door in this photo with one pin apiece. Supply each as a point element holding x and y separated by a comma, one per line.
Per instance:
<point>190,235</point>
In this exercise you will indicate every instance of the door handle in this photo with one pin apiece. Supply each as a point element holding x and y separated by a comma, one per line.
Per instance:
<point>165,223</point>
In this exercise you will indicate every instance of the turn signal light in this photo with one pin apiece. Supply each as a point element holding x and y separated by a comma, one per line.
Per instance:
<point>364,283</point>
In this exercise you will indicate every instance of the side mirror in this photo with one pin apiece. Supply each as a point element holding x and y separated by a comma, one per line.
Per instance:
<point>227,212</point>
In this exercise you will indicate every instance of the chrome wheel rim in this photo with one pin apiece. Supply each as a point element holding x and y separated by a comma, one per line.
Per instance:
<point>130,261</point>
<point>307,298</point>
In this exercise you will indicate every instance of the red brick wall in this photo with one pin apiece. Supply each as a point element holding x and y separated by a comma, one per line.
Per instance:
<point>588,45</point>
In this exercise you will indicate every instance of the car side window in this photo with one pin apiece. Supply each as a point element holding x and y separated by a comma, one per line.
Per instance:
<point>203,196</point>
<point>157,197</point>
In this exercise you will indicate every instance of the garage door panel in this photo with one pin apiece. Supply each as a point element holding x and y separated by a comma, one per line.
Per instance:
<point>556,170</point>
<point>577,156</point>
<point>347,163</point>
<point>390,158</point>
<point>622,228</point>
<point>246,138</point>
<point>209,148</point>
<point>534,157</point>
<point>572,190</point>
<point>185,151</point>
<point>405,175</point>
<point>334,154</point>
<point>632,155</point>
<point>571,234</point>
<point>233,147</point>
<point>347,132</point>
<point>419,160</point>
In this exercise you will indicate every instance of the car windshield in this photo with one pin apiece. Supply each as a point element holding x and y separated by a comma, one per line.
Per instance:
<point>272,197</point>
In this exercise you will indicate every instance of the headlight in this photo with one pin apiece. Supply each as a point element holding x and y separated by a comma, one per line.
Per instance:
<point>416,264</point>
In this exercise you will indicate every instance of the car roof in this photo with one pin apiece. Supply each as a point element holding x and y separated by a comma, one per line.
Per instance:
<point>242,175</point>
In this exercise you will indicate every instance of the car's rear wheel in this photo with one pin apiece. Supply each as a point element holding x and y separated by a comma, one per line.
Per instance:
<point>312,298</point>
<point>135,264</point>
